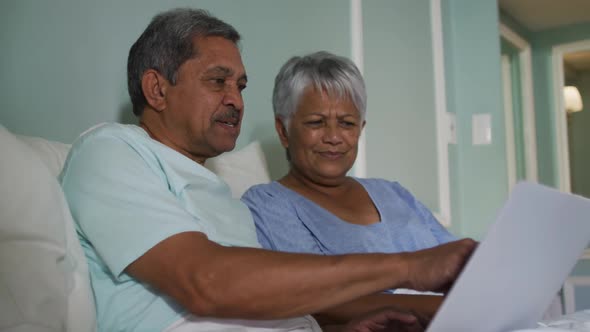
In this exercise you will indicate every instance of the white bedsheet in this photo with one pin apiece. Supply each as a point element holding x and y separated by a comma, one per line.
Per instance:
<point>578,321</point>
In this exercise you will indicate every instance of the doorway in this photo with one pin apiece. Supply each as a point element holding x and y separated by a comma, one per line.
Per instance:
<point>571,67</point>
<point>572,128</point>
<point>519,115</point>
<point>577,80</point>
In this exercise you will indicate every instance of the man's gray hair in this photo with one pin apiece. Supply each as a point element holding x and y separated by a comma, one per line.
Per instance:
<point>335,75</point>
<point>167,43</point>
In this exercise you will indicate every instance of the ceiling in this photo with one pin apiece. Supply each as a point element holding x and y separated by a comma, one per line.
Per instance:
<point>578,61</point>
<point>537,15</point>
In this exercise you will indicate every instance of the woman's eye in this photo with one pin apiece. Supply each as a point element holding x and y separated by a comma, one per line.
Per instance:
<point>314,122</point>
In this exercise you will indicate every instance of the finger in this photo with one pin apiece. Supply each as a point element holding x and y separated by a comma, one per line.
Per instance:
<point>414,328</point>
<point>402,317</point>
<point>423,319</point>
<point>401,327</point>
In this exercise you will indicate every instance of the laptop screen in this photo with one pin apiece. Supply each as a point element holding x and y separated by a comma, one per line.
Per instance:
<point>520,265</point>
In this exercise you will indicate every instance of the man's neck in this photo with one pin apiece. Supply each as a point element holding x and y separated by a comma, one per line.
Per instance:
<point>157,132</point>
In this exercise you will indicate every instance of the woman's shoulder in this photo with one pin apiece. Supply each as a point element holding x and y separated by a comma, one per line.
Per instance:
<point>390,190</point>
<point>382,184</point>
<point>265,194</point>
<point>263,190</point>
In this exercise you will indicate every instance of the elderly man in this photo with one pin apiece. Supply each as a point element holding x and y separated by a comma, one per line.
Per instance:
<point>168,247</point>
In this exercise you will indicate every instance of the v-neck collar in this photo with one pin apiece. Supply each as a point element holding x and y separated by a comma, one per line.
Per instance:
<point>298,196</point>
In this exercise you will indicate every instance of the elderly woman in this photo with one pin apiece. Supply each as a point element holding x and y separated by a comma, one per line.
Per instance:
<point>319,102</point>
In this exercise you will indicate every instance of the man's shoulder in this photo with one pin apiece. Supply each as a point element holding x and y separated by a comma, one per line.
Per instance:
<point>110,142</point>
<point>110,137</point>
<point>109,130</point>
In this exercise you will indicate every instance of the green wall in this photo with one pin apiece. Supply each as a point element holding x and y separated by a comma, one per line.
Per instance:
<point>542,47</point>
<point>63,62</point>
<point>473,77</point>
<point>63,70</point>
<point>514,25</point>
<point>401,126</point>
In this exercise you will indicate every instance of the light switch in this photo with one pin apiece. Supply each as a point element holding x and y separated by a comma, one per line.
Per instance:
<point>481,129</point>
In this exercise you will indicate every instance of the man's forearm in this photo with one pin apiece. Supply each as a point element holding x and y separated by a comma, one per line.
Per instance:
<point>259,284</point>
<point>287,285</point>
<point>229,282</point>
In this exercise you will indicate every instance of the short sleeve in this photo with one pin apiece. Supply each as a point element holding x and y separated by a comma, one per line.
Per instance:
<point>122,205</point>
<point>441,234</point>
<point>277,225</point>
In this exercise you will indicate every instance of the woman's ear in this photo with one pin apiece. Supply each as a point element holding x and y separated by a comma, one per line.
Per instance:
<point>282,131</point>
<point>154,88</point>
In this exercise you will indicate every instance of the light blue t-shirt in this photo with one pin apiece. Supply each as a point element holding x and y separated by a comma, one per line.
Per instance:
<point>128,192</point>
<point>288,221</point>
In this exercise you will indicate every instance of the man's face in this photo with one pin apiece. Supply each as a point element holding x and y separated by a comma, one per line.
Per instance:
<point>204,109</point>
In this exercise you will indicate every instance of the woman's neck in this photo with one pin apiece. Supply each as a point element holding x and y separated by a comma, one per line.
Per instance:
<point>299,182</point>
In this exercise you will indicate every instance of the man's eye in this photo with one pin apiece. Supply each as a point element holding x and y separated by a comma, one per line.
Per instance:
<point>217,81</point>
<point>241,86</point>
<point>220,81</point>
<point>347,124</point>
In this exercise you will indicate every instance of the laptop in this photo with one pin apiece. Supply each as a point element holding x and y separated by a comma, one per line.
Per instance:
<point>518,268</point>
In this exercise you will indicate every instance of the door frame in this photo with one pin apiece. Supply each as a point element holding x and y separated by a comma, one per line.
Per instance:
<point>509,121</point>
<point>444,120</point>
<point>445,123</point>
<point>357,56</point>
<point>559,114</point>
<point>528,104</point>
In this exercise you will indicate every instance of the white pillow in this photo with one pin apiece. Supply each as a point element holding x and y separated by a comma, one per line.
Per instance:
<point>241,169</point>
<point>44,284</point>
<point>53,154</point>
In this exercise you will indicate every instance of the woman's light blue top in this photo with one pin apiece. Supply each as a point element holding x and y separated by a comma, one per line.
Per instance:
<point>288,221</point>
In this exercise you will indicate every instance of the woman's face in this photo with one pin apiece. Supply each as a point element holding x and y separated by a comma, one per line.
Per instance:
<point>323,136</point>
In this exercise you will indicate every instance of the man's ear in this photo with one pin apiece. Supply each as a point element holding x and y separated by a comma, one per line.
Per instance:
<point>363,126</point>
<point>154,88</point>
<point>282,131</point>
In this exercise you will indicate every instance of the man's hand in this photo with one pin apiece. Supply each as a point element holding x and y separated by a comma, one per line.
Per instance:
<point>436,269</point>
<point>388,320</point>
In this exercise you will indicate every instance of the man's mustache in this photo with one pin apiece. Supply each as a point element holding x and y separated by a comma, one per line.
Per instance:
<point>230,113</point>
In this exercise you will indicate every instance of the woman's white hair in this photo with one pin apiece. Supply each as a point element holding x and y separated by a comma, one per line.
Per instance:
<point>337,76</point>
